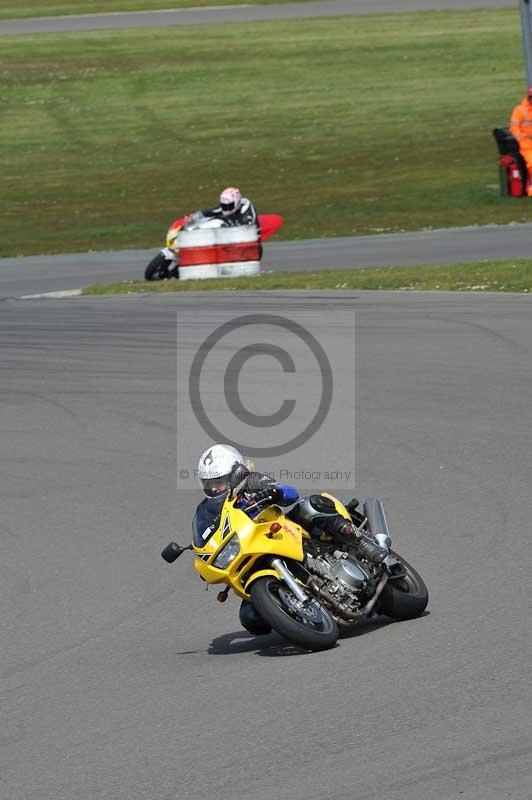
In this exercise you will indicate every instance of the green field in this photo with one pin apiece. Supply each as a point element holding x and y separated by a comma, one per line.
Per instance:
<point>49,8</point>
<point>345,126</point>
<point>487,276</point>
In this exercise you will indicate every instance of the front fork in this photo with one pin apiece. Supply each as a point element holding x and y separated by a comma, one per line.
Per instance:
<point>171,256</point>
<point>285,574</point>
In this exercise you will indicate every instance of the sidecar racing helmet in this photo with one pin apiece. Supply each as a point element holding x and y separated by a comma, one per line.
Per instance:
<point>230,201</point>
<point>214,468</point>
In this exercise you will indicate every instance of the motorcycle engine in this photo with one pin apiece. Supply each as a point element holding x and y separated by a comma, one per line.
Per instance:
<point>341,575</point>
<point>349,573</point>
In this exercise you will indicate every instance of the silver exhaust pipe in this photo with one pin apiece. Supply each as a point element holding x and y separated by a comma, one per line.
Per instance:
<point>339,610</point>
<point>377,523</point>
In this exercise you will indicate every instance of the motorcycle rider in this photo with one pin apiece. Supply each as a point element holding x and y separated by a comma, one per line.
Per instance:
<point>234,209</point>
<point>221,467</point>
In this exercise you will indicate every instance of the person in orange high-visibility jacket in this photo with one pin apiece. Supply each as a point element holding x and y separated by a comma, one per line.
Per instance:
<point>521,129</point>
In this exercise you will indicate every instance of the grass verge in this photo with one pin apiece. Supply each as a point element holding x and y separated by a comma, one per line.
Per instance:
<point>345,126</point>
<point>51,8</point>
<point>493,276</point>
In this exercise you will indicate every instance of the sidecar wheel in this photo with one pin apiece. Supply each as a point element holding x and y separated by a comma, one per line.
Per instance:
<point>311,627</point>
<point>404,598</point>
<point>157,269</point>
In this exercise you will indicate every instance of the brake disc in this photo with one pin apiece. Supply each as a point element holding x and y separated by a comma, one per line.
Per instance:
<point>310,610</point>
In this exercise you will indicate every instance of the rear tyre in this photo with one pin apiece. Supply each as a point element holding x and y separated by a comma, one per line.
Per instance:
<point>404,598</point>
<point>157,269</point>
<point>310,626</point>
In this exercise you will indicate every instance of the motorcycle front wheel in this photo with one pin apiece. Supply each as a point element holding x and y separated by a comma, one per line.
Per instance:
<point>157,269</point>
<point>308,625</point>
<point>405,597</point>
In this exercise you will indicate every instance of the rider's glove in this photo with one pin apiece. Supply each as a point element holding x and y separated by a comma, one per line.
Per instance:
<point>261,486</point>
<point>272,491</point>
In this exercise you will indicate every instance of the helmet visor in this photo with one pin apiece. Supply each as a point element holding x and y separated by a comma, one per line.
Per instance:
<point>228,208</point>
<point>215,487</point>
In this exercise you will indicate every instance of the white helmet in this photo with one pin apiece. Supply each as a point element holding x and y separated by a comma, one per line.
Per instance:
<point>230,201</point>
<point>214,467</point>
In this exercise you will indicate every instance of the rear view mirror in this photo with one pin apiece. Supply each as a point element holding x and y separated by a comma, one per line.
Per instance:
<point>172,552</point>
<point>238,476</point>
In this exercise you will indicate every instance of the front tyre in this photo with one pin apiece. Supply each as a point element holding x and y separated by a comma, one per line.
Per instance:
<point>157,269</point>
<point>405,597</point>
<point>308,625</point>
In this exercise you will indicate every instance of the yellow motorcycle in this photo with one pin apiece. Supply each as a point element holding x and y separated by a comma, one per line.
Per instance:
<point>305,587</point>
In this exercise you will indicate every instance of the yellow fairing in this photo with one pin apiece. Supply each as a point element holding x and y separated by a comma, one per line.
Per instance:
<point>256,540</point>
<point>341,509</point>
<point>261,573</point>
<point>172,235</point>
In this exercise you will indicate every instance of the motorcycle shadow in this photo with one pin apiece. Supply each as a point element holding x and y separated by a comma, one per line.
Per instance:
<point>269,646</point>
<point>371,624</point>
<point>274,646</point>
<point>365,626</point>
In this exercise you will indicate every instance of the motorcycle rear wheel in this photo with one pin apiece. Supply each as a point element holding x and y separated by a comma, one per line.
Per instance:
<point>404,598</point>
<point>157,269</point>
<point>311,627</point>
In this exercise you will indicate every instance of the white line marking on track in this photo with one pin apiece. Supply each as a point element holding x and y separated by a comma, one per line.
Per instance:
<point>53,295</point>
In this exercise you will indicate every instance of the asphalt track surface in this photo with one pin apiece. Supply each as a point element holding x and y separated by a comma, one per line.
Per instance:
<point>123,680</point>
<point>32,275</point>
<point>227,14</point>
